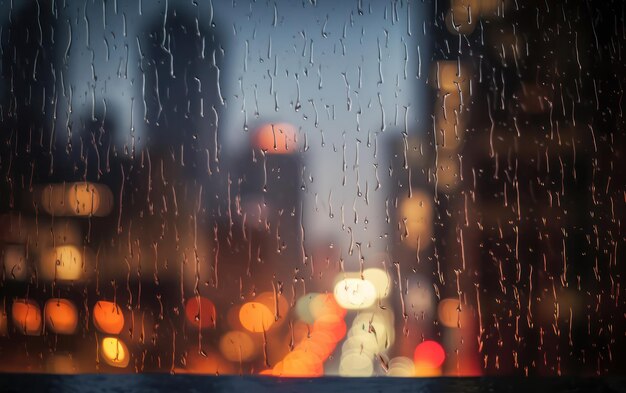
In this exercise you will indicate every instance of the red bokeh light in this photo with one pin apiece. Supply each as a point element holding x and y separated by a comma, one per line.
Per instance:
<point>431,353</point>
<point>200,312</point>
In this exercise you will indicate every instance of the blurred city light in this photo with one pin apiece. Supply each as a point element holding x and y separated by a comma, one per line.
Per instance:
<point>114,352</point>
<point>61,316</point>
<point>108,317</point>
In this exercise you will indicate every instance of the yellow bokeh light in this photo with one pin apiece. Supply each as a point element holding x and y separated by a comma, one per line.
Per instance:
<point>462,16</point>
<point>356,364</point>
<point>418,208</point>
<point>417,214</point>
<point>380,279</point>
<point>368,343</point>
<point>114,352</point>
<point>64,263</point>
<point>81,199</point>
<point>401,367</point>
<point>451,77</point>
<point>355,293</point>
<point>377,327</point>
<point>237,346</point>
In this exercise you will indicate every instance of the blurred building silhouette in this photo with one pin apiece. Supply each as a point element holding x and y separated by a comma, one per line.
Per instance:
<point>512,169</point>
<point>516,138</point>
<point>30,64</point>
<point>149,249</point>
<point>32,151</point>
<point>261,234</point>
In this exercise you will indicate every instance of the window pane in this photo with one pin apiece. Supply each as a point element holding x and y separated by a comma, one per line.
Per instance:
<point>314,188</point>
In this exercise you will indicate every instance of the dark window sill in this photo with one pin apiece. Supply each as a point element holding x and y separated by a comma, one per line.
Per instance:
<point>187,383</point>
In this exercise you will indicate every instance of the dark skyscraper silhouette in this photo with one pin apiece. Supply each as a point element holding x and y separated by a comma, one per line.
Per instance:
<point>30,68</point>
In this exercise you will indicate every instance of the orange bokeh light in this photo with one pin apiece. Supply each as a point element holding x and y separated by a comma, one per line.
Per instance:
<point>27,317</point>
<point>80,199</point>
<point>299,363</point>
<point>276,138</point>
<point>108,317</point>
<point>61,316</point>
<point>314,343</point>
<point>425,370</point>
<point>331,324</point>
<point>256,317</point>
<point>276,303</point>
<point>200,312</point>
<point>452,315</point>
<point>320,345</point>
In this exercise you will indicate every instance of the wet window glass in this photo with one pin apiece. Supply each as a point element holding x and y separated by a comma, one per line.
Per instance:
<point>312,188</point>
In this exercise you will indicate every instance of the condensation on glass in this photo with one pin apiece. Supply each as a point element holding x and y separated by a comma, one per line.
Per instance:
<point>311,188</point>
